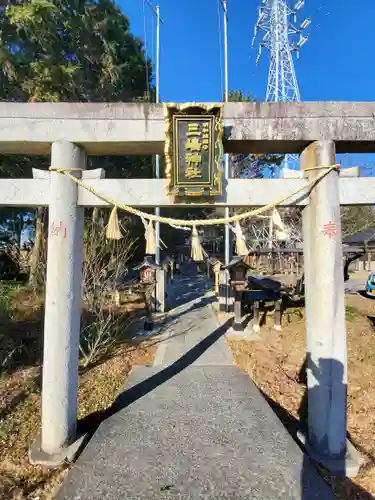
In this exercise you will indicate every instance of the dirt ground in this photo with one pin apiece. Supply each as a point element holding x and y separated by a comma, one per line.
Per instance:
<point>99,384</point>
<point>276,365</point>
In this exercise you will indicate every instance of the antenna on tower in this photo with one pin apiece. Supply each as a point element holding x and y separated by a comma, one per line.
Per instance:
<point>279,34</point>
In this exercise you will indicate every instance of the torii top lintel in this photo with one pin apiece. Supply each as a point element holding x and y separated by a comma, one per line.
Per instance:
<point>138,129</point>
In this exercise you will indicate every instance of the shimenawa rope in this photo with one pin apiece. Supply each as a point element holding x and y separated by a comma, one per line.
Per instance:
<point>113,228</point>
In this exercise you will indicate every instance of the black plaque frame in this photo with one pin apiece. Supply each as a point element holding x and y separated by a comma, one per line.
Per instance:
<point>211,183</point>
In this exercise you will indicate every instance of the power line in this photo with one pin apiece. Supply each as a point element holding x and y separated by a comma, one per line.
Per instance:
<point>156,10</point>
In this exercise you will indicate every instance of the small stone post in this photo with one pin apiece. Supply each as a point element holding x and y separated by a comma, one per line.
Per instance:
<point>238,324</point>
<point>325,312</point>
<point>150,305</point>
<point>226,299</point>
<point>222,290</point>
<point>277,315</point>
<point>160,290</point>
<point>62,312</point>
<point>256,307</point>
<point>172,264</point>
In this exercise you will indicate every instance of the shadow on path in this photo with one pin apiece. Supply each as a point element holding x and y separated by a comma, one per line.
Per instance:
<point>90,423</point>
<point>158,336</point>
<point>185,288</point>
<point>343,487</point>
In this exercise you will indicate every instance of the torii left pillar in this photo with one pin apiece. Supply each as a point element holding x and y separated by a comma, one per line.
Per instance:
<point>58,441</point>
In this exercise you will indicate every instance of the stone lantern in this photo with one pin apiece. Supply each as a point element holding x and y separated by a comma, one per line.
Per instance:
<point>237,269</point>
<point>147,271</point>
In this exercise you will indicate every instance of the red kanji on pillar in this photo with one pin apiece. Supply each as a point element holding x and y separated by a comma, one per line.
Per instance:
<point>58,229</point>
<point>330,229</point>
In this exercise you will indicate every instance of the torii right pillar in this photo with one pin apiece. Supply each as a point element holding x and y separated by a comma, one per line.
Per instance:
<point>326,441</point>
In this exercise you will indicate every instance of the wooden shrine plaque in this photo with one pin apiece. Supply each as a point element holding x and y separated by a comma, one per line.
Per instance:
<point>194,150</point>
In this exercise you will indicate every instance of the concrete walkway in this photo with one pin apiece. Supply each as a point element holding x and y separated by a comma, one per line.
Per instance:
<point>192,427</point>
<point>188,326</point>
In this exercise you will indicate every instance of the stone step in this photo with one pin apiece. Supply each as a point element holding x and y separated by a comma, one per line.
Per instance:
<point>205,432</point>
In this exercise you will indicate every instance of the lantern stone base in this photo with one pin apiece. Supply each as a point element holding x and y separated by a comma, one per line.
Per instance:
<point>246,333</point>
<point>239,325</point>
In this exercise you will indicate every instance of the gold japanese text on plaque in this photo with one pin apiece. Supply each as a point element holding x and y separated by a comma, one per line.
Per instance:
<point>193,149</point>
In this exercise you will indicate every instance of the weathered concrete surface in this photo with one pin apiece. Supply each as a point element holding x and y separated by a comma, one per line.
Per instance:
<point>201,433</point>
<point>139,128</point>
<point>325,312</point>
<point>62,304</point>
<point>239,192</point>
<point>152,192</point>
<point>24,192</point>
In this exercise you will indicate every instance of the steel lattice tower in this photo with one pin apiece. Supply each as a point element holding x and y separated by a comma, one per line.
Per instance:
<point>282,38</point>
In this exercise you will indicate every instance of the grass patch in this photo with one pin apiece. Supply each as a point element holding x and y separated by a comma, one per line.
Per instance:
<point>21,327</point>
<point>8,290</point>
<point>351,313</point>
<point>98,388</point>
<point>21,347</point>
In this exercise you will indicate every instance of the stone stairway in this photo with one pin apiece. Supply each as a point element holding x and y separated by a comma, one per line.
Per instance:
<point>194,427</point>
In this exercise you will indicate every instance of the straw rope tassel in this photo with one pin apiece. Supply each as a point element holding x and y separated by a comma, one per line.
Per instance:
<point>113,231</point>
<point>282,232</point>
<point>197,252</point>
<point>150,237</point>
<point>276,219</point>
<point>241,247</point>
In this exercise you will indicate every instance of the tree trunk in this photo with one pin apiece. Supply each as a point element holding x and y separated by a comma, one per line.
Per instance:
<point>36,256</point>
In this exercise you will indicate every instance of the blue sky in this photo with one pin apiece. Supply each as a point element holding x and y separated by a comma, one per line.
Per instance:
<point>336,64</point>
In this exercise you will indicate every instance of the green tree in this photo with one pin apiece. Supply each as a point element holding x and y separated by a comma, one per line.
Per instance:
<point>70,50</point>
<point>357,219</point>
<point>251,165</point>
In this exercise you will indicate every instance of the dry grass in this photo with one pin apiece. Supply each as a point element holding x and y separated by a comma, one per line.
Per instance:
<point>275,363</point>
<point>20,395</point>
<point>98,387</point>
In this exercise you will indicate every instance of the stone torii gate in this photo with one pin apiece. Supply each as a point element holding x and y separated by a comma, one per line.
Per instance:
<point>70,132</point>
